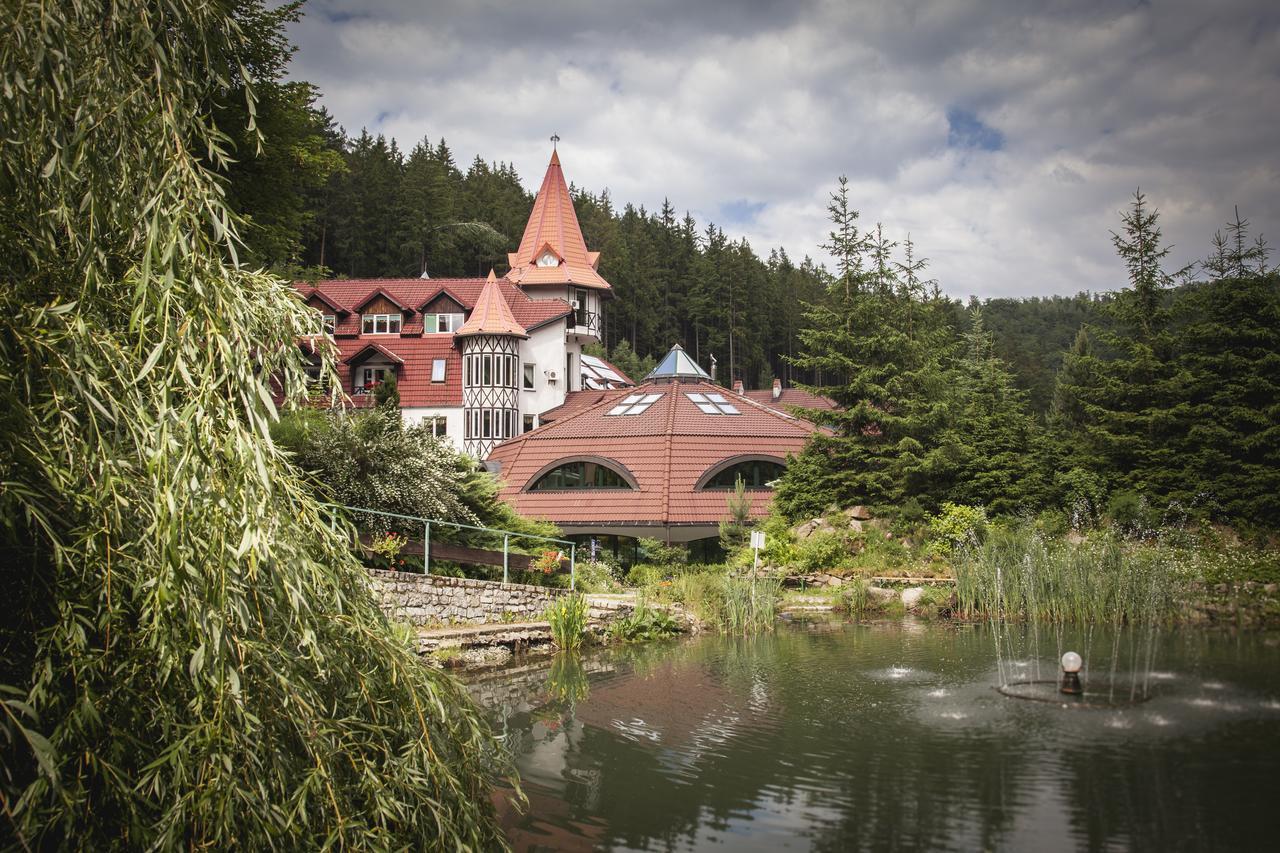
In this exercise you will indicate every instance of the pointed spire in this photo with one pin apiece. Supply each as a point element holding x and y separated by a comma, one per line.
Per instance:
<point>552,250</point>
<point>492,315</point>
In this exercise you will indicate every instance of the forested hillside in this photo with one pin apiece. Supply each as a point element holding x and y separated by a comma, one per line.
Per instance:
<point>1165,390</point>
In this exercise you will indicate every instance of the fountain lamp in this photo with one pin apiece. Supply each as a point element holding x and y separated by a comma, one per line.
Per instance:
<point>1071,675</point>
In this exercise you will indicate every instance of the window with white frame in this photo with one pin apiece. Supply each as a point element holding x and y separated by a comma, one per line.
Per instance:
<point>713,404</point>
<point>528,376</point>
<point>329,322</point>
<point>439,425</point>
<point>370,377</point>
<point>441,322</point>
<point>437,370</point>
<point>381,324</point>
<point>635,404</point>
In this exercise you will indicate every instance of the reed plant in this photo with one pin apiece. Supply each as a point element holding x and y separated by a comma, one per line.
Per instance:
<point>1018,573</point>
<point>734,605</point>
<point>568,618</point>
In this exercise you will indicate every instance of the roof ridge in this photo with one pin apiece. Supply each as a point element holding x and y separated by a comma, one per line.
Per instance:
<point>671,428</point>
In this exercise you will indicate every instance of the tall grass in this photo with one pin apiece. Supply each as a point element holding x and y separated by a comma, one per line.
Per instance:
<point>1016,573</point>
<point>568,618</point>
<point>733,605</point>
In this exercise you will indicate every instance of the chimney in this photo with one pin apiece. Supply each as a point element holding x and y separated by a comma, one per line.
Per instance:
<point>737,386</point>
<point>777,388</point>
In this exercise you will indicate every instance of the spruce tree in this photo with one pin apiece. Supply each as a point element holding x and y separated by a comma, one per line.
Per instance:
<point>881,354</point>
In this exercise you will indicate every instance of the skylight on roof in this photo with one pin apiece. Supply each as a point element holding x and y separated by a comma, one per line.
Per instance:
<point>634,405</point>
<point>599,369</point>
<point>713,404</point>
<point>599,376</point>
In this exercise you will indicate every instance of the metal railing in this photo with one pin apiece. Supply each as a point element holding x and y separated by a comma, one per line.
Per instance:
<point>507,536</point>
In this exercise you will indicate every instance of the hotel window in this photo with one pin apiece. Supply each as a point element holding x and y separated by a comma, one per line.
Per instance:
<point>488,371</point>
<point>486,424</point>
<point>528,377</point>
<point>580,475</point>
<point>754,473</point>
<point>441,322</point>
<point>439,425</point>
<point>437,370</point>
<point>528,423</point>
<point>329,323</point>
<point>371,376</point>
<point>381,324</point>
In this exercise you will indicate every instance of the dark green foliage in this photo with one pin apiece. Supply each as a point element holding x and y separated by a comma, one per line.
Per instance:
<point>923,415</point>
<point>1179,400</point>
<point>189,656</point>
<point>386,395</point>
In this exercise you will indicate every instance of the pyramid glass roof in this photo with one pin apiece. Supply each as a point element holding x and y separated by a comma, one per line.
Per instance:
<point>677,364</point>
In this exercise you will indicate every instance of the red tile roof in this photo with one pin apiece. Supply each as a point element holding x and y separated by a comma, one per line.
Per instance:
<point>492,315</point>
<point>792,397</point>
<point>666,449</point>
<point>574,402</point>
<point>553,225</point>
<point>417,292</point>
<point>413,376</point>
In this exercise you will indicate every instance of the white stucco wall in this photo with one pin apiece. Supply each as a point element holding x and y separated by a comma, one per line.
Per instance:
<point>545,348</point>
<point>453,421</point>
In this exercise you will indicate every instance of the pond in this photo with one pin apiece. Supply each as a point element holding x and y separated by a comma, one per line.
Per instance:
<point>846,736</point>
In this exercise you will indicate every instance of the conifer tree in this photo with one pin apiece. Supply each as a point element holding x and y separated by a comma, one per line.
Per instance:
<point>882,354</point>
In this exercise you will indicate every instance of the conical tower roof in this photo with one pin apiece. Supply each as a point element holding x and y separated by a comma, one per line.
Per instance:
<point>676,364</point>
<point>553,231</point>
<point>492,315</point>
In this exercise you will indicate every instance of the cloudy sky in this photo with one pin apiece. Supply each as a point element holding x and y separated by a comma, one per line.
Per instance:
<point>1005,141</point>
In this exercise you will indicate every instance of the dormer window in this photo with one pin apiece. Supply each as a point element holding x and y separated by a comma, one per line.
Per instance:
<point>330,323</point>
<point>547,259</point>
<point>442,322</point>
<point>381,324</point>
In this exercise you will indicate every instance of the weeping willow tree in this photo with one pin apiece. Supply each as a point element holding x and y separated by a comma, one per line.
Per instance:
<point>188,655</point>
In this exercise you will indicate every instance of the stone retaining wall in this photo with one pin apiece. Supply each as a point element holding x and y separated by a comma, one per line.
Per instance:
<point>438,600</point>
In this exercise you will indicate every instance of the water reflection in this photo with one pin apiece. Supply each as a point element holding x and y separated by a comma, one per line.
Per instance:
<point>871,736</point>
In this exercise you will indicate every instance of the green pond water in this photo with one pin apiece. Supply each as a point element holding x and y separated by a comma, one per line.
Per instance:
<point>845,736</point>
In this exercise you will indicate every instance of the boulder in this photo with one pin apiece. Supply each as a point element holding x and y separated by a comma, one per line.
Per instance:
<point>804,531</point>
<point>911,596</point>
<point>858,513</point>
<point>880,595</point>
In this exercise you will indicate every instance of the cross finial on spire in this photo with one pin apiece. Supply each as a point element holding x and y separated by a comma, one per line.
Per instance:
<point>555,137</point>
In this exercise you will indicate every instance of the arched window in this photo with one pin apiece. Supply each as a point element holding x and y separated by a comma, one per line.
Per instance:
<point>581,474</point>
<point>755,474</point>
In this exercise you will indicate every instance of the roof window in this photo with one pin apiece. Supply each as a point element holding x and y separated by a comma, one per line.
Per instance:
<point>634,405</point>
<point>713,404</point>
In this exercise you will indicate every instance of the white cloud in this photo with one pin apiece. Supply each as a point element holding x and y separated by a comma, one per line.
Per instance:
<point>761,106</point>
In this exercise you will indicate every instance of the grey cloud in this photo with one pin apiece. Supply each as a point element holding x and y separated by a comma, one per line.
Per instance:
<point>1006,141</point>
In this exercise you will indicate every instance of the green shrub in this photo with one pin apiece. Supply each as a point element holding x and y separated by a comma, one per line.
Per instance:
<point>1082,492</point>
<point>1130,512</point>
<point>596,576</point>
<point>642,624</point>
<point>568,618</point>
<point>822,552</point>
<point>644,574</point>
<point>956,527</point>
<point>668,556</point>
